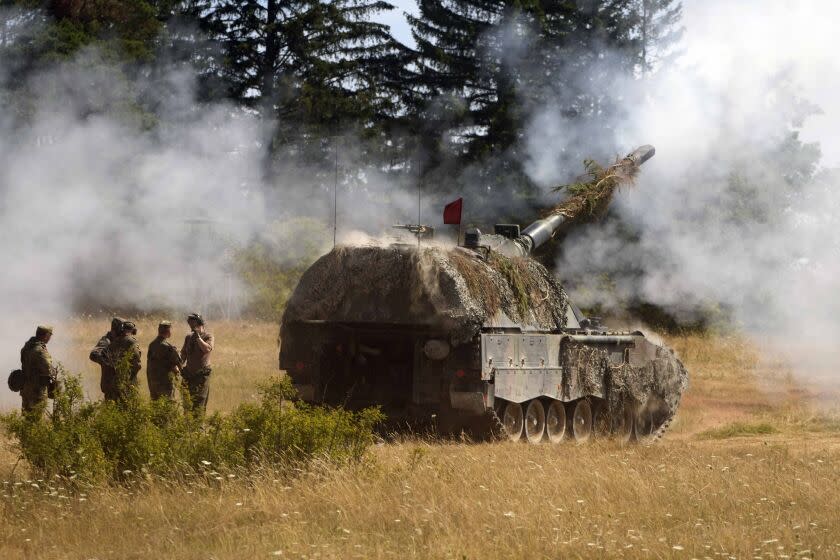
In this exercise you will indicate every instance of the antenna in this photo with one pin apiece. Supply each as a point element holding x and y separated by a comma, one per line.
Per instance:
<point>335,192</point>
<point>419,203</point>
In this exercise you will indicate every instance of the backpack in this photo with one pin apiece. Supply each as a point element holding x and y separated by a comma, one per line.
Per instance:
<point>16,380</point>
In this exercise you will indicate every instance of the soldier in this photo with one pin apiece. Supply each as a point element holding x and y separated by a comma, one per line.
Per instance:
<point>196,354</point>
<point>99,355</point>
<point>124,355</point>
<point>38,374</point>
<point>163,364</point>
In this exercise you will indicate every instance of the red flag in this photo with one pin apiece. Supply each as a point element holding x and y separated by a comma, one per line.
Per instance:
<point>452,212</point>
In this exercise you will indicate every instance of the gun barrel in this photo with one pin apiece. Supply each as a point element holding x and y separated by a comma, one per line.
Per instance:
<point>541,231</point>
<point>641,154</point>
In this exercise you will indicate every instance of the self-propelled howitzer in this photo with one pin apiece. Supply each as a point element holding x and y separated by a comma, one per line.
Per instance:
<point>479,337</point>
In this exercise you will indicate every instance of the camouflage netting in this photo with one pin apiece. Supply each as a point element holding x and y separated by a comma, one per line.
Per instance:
<point>663,377</point>
<point>452,289</point>
<point>588,364</point>
<point>590,196</point>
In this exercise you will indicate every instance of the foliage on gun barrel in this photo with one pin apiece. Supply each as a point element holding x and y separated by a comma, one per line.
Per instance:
<point>590,195</point>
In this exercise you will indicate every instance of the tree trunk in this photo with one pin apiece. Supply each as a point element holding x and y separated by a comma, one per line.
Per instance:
<point>272,51</point>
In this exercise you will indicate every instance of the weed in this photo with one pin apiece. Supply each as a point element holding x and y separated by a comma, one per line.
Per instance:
<point>739,429</point>
<point>112,441</point>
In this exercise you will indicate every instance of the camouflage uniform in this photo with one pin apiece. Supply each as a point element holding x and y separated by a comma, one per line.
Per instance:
<point>197,370</point>
<point>100,355</point>
<point>36,365</point>
<point>161,368</point>
<point>124,355</point>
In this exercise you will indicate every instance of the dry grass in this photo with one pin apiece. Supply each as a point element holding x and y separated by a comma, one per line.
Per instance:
<point>748,495</point>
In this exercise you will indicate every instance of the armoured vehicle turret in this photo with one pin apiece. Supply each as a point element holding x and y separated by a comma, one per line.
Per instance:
<point>479,337</point>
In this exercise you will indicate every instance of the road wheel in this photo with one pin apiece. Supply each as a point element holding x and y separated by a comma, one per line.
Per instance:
<point>623,423</point>
<point>582,421</point>
<point>601,419</point>
<point>555,422</point>
<point>534,421</point>
<point>513,420</point>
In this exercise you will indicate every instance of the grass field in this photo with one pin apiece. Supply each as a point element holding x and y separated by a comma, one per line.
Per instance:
<point>749,470</point>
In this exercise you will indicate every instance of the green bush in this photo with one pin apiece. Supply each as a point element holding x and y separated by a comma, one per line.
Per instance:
<point>106,441</point>
<point>271,264</point>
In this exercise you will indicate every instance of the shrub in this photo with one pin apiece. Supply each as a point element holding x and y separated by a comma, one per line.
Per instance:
<point>107,441</point>
<point>271,264</point>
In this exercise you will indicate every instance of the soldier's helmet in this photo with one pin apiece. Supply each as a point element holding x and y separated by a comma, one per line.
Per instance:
<point>129,327</point>
<point>117,324</point>
<point>196,318</point>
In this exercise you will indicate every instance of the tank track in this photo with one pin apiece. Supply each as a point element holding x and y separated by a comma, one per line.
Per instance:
<point>670,381</point>
<point>660,431</point>
<point>674,387</point>
<point>488,428</point>
<point>498,429</point>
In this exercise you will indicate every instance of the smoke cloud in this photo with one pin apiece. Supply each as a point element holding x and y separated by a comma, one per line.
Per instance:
<point>97,206</point>
<point>104,208</point>
<point>724,213</point>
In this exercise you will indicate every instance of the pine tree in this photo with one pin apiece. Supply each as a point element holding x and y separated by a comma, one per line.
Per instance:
<point>486,65</point>
<point>658,23</point>
<point>19,48</point>
<point>305,63</point>
<point>452,37</point>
